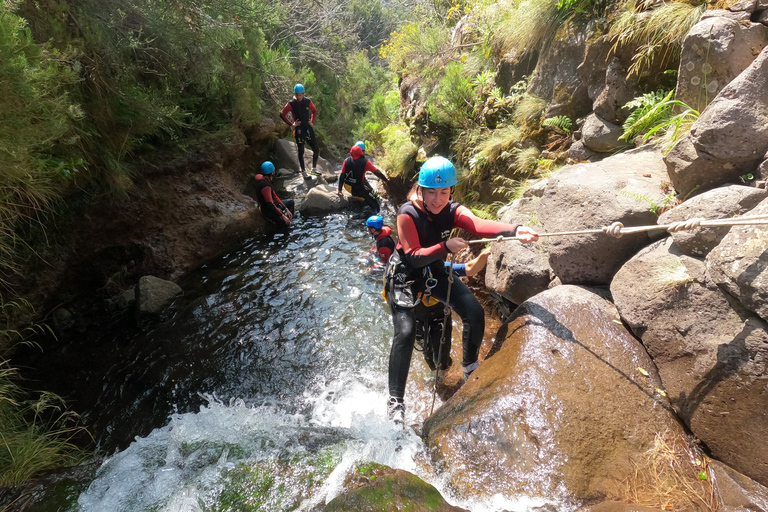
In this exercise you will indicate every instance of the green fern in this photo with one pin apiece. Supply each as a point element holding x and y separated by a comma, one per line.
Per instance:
<point>562,122</point>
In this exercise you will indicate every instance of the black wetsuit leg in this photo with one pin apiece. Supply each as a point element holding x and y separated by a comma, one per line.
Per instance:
<point>300,147</point>
<point>290,205</point>
<point>402,349</point>
<point>367,197</point>
<point>313,144</point>
<point>472,315</point>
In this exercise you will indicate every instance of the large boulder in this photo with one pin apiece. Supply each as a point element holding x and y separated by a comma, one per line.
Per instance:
<point>715,51</point>
<point>739,263</point>
<point>559,411</point>
<point>519,271</point>
<point>322,200</point>
<point>718,203</point>
<point>624,188</point>
<point>287,155</point>
<point>730,137</point>
<point>711,353</point>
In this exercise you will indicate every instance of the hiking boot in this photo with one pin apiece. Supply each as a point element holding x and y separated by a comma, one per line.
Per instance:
<point>396,410</point>
<point>304,174</point>
<point>468,369</point>
<point>315,172</point>
<point>445,366</point>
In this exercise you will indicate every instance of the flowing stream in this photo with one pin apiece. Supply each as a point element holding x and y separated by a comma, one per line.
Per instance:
<point>261,387</point>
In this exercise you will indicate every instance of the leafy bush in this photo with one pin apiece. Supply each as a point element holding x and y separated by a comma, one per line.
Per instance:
<point>415,46</point>
<point>399,152</point>
<point>38,142</point>
<point>653,116</point>
<point>452,103</point>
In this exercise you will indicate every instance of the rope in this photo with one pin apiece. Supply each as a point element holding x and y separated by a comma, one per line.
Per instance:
<point>446,318</point>
<point>617,229</point>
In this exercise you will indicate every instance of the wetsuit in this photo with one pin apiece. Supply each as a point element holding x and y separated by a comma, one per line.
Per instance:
<point>269,204</point>
<point>385,246</point>
<point>429,329</point>
<point>305,112</point>
<point>352,177</point>
<point>422,249</point>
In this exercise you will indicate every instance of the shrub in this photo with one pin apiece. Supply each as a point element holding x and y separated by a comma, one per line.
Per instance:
<point>399,152</point>
<point>452,103</point>
<point>415,45</point>
<point>657,33</point>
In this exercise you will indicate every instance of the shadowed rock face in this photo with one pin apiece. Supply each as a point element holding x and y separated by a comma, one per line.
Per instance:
<point>560,408</point>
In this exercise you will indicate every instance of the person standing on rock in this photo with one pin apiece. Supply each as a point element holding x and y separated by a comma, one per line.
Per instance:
<point>276,211</point>
<point>352,177</point>
<point>300,114</point>
<point>417,269</point>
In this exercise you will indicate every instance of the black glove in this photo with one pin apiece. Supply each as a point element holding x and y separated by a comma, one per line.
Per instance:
<point>507,233</point>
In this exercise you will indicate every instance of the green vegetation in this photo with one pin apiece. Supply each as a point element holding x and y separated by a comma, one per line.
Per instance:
<point>653,116</point>
<point>37,431</point>
<point>657,34</point>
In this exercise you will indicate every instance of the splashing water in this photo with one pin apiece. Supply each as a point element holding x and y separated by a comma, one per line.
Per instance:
<point>273,371</point>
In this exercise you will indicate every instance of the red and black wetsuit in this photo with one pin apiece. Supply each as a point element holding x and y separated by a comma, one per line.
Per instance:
<point>269,204</point>
<point>422,246</point>
<point>353,174</point>
<point>305,112</point>
<point>385,246</point>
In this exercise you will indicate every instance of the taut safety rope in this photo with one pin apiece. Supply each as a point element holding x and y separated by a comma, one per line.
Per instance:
<point>617,229</point>
<point>446,325</point>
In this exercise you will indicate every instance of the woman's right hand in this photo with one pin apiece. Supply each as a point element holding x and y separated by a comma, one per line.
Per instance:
<point>455,244</point>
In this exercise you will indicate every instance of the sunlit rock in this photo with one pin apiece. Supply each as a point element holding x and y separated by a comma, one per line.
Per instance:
<point>711,353</point>
<point>622,188</point>
<point>558,411</point>
<point>519,271</point>
<point>718,203</point>
<point>322,200</point>
<point>729,138</point>
<point>287,155</point>
<point>739,263</point>
<point>715,51</point>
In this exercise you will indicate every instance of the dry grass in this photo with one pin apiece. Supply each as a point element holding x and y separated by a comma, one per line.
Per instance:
<point>672,475</point>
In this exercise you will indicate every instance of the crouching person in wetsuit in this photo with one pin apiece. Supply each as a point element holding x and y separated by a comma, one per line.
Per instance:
<point>385,246</point>
<point>277,211</point>
<point>430,317</point>
<point>352,177</point>
<point>417,268</point>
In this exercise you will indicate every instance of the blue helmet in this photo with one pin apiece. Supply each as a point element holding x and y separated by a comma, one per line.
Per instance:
<point>298,88</point>
<point>267,168</point>
<point>437,172</point>
<point>360,144</point>
<point>374,221</point>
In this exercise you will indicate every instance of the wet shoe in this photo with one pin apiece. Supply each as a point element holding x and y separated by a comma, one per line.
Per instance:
<point>469,369</point>
<point>315,172</point>
<point>396,410</point>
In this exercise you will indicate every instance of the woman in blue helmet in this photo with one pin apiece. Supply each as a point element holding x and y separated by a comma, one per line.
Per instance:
<point>300,114</point>
<point>385,246</point>
<point>275,210</point>
<point>424,226</point>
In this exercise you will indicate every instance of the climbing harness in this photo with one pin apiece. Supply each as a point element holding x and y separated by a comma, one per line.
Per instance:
<point>446,322</point>
<point>617,229</point>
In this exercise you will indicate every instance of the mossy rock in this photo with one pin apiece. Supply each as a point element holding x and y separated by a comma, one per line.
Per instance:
<point>373,487</point>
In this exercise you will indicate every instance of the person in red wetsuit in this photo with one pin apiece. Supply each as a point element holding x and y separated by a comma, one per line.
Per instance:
<point>277,211</point>
<point>385,246</point>
<point>417,269</point>
<point>352,177</point>
<point>300,114</point>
